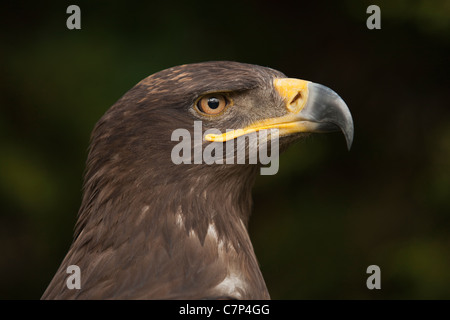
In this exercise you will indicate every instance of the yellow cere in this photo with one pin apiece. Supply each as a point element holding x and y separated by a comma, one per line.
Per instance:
<point>293,91</point>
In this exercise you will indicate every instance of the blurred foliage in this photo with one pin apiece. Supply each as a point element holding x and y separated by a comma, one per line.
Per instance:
<point>327,215</point>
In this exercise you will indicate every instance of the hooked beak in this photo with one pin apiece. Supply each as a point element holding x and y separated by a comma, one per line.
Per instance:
<point>310,107</point>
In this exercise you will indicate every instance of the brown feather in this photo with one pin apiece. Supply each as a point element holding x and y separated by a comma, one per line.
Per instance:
<point>150,229</point>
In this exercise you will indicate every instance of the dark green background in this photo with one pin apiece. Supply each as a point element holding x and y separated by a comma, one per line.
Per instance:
<point>327,215</point>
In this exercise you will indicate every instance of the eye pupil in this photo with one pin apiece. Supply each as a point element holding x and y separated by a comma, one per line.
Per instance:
<point>213,103</point>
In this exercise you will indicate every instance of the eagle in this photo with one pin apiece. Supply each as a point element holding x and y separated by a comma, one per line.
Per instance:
<point>153,228</point>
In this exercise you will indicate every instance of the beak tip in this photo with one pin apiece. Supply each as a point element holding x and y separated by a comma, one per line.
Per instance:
<point>327,107</point>
<point>349,138</point>
<point>349,144</point>
<point>348,132</point>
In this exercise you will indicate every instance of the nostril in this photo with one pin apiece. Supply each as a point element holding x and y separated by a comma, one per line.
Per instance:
<point>297,96</point>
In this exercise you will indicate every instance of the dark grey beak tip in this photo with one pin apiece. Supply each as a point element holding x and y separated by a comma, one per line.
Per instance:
<point>327,107</point>
<point>348,132</point>
<point>349,140</point>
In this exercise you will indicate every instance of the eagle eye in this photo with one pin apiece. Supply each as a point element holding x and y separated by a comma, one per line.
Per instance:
<point>212,104</point>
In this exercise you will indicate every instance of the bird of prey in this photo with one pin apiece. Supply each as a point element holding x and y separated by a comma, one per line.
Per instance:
<point>149,228</point>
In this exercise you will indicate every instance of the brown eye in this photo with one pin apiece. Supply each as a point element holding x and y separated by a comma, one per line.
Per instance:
<point>212,104</point>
